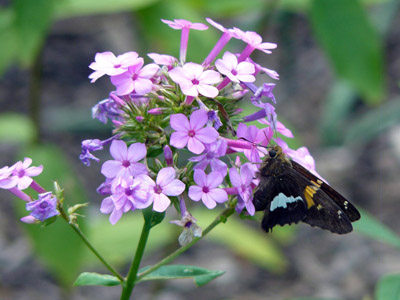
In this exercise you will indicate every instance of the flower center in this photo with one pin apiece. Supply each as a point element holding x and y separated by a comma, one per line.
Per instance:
<point>134,77</point>
<point>195,82</point>
<point>43,205</point>
<point>128,191</point>
<point>157,189</point>
<point>205,189</point>
<point>234,72</point>
<point>188,224</point>
<point>126,163</point>
<point>117,66</point>
<point>191,133</point>
<point>21,173</point>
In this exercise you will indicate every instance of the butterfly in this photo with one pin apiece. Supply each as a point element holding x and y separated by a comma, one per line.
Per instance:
<point>289,193</point>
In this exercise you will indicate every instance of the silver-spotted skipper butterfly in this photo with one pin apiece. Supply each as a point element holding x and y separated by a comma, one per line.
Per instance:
<point>288,193</point>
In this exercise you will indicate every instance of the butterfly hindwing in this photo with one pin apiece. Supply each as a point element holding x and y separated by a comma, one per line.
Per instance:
<point>348,208</point>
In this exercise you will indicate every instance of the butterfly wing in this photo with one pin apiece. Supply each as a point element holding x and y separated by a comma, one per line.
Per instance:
<point>344,205</point>
<point>282,199</point>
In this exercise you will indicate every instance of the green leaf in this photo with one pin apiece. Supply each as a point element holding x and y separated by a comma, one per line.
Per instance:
<point>371,227</point>
<point>152,218</point>
<point>370,124</point>
<point>388,287</point>
<point>8,35</point>
<point>90,278</point>
<point>32,21</point>
<point>250,243</point>
<point>73,8</point>
<point>16,128</point>
<point>200,276</point>
<point>154,151</point>
<point>352,44</point>
<point>337,108</point>
<point>57,245</point>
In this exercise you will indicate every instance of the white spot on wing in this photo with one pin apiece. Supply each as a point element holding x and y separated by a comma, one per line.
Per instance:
<point>281,201</point>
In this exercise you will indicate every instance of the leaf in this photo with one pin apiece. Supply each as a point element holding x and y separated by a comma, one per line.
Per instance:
<point>90,278</point>
<point>32,22</point>
<point>352,45</point>
<point>337,108</point>
<point>252,244</point>
<point>57,246</point>
<point>8,34</point>
<point>200,276</point>
<point>388,287</point>
<point>152,218</point>
<point>374,122</point>
<point>16,128</point>
<point>73,8</point>
<point>371,227</point>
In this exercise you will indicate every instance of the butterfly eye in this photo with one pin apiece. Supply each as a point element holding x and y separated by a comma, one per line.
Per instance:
<point>272,153</point>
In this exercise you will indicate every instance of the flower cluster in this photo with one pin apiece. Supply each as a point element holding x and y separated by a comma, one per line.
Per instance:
<point>179,133</point>
<point>17,178</point>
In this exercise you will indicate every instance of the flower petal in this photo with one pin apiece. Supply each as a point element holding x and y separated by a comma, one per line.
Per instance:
<point>218,195</point>
<point>161,202</point>
<point>175,188</point>
<point>165,176</point>
<point>110,168</point>
<point>179,139</point>
<point>195,146</point>
<point>118,150</point>
<point>136,152</point>
<point>207,90</point>
<point>195,192</point>
<point>179,122</point>
<point>208,201</point>
<point>198,119</point>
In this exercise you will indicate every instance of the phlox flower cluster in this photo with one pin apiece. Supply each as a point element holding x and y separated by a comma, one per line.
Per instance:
<point>179,135</point>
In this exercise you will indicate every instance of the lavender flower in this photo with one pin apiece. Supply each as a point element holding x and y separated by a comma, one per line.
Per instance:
<point>125,161</point>
<point>192,133</point>
<point>190,228</point>
<point>165,185</point>
<point>207,188</point>
<point>243,182</point>
<point>22,173</point>
<point>87,147</point>
<point>211,157</point>
<point>43,208</point>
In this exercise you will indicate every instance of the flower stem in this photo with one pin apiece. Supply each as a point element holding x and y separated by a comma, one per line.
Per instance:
<point>89,245</point>
<point>221,218</point>
<point>130,282</point>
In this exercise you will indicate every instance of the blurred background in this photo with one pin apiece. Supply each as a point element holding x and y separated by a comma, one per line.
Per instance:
<point>339,66</point>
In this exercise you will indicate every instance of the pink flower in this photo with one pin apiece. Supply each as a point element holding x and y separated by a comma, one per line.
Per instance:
<point>107,63</point>
<point>125,161</point>
<point>257,137</point>
<point>193,80</point>
<point>6,182</point>
<point>136,79</point>
<point>243,184</point>
<point>192,133</point>
<point>210,157</point>
<point>185,26</point>
<point>207,188</point>
<point>163,59</point>
<point>165,185</point>
<point>237,72</point>
<point>181,24</point>
<point>254,40</point>
<point>22,173</point>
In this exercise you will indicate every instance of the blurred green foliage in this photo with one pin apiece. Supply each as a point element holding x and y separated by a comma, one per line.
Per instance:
<point>351,39</point>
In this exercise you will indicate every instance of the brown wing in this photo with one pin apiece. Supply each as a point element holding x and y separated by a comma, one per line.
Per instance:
<point>348,208</point>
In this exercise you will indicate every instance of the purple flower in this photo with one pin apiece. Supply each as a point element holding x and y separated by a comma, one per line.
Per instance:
<point>127,194</point>
<point>264,90</point>
<point>255,136</point>
<point>192,133</point>
<point>165,185</point>
<point>243,183</point>
<point>210,157</point>
<point>185,26</point>
<point>6,182</point>
<point>193,80</point>
<point>43,208</point>
<point>125,161</point>
<point>107,63</point>
<point>136,79</point>
<point>168,156</point>
<point>279,128</point>
<point>213,119</point>
<point>106,109</point>
<point>22,173</point>
<point>254,41</point>
<point>87,147</point>
<point>163,60</point>
<point>207,188</point>
<point>190,228</point>
<point>236,72</point>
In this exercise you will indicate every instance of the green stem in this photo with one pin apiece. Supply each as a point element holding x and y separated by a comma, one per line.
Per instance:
<point>90,246</point>
<point>219,219</point>
<point>130,282</point>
